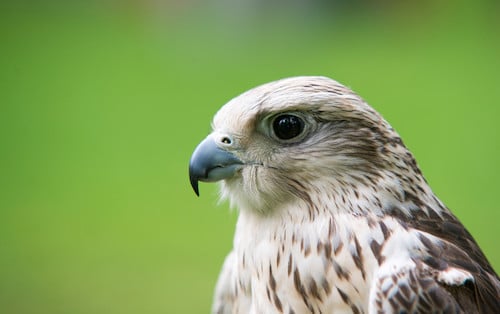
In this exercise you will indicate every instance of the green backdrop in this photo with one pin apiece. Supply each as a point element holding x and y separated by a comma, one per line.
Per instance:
<point>101,106</point>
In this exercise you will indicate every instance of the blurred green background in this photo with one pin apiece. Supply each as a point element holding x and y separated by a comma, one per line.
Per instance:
<point>102,103</point>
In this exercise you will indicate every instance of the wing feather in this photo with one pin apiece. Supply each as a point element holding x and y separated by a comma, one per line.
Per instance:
<point>453,264</point>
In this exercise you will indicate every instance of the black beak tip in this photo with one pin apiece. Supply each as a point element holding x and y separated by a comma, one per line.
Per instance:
<point>194,184</point>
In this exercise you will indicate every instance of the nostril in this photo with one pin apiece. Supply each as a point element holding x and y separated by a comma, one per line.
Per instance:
<point>226,140</point>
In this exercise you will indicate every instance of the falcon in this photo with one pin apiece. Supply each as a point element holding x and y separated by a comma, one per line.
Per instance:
<point>334,214</point>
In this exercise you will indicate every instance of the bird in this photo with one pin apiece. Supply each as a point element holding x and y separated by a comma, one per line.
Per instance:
<point>334,214</point>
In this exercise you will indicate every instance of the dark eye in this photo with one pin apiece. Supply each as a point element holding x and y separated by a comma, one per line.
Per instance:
<point>287,126</point>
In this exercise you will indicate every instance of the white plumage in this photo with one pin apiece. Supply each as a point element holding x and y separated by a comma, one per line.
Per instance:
<point>334,213</point>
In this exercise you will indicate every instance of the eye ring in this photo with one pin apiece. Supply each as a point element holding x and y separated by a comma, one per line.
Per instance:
<point>287,126</point>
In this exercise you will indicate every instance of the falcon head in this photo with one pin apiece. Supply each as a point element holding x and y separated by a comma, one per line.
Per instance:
<point>285,140</point>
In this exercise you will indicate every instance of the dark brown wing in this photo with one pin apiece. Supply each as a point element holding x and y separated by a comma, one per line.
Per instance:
<point>413,290</point>
<point>458,249</point>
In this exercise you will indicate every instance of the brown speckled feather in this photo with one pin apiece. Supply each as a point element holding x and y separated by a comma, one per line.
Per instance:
<point>458,249</point>
<point>335,215</point>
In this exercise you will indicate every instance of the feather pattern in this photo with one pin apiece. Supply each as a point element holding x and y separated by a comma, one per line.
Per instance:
<point>339,219</point>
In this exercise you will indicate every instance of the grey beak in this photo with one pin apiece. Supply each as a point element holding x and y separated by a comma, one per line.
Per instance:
<point>210,163</point>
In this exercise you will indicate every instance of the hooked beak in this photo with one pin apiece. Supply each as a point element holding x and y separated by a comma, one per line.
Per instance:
<point>210,163</point>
